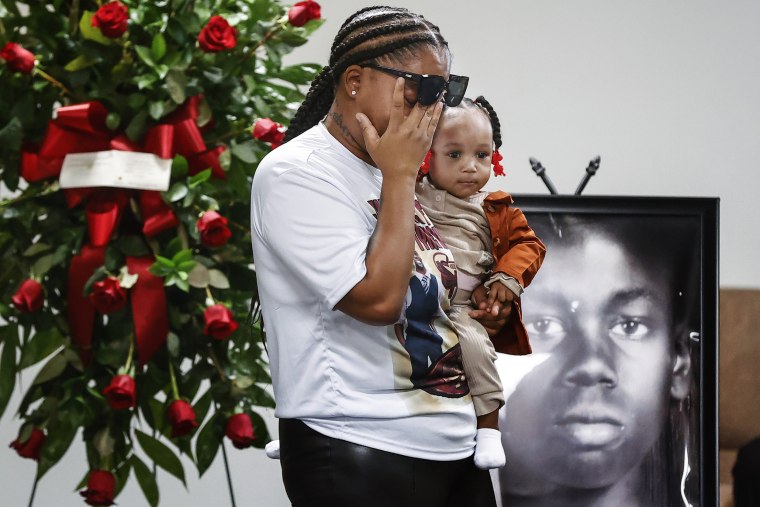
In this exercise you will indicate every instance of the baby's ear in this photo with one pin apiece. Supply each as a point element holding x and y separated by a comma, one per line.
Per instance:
<point>679,387</point>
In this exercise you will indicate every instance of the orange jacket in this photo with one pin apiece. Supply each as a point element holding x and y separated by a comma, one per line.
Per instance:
<point>518,253</point>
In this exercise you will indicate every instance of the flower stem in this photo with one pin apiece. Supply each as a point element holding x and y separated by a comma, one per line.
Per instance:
<point>271,33</point>
<point>209,296</point>
<point>34,490</point>
<point>131,354</point>
<point>227,471</point>
<point>50,79</point>
<point>218,366</point>
<point>175,391</point>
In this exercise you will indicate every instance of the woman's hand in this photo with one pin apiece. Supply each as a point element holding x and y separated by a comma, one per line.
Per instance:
<point>399,152</point>
<point>491,316</point>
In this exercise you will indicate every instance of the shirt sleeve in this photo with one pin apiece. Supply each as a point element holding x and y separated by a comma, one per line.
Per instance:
<point>317,231</point>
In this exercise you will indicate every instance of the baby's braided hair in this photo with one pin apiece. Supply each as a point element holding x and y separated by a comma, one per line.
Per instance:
<point>483,105</point>
<point>368,34</point>
<point>492,117</point>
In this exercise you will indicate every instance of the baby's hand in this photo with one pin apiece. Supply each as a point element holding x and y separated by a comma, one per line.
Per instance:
<point>498,292</point>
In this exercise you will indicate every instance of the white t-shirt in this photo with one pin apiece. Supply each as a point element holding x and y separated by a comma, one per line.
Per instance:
<point>313,210</point>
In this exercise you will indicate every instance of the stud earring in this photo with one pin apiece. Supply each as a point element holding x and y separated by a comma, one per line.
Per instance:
<point>353,93</point>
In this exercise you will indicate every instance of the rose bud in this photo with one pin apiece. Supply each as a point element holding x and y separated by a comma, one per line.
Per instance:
<point>112,19</point>
<point>29,297</point>
<point>17,58</point>
<point>217,35</point>
<point>220,322</point>
<point>239,429</point>
<point>100,488</point>
<point>108,296</point>
<point>268,131</point>
<point>31,448</point>
<point>181,417</point>
<point>213,229</point>
<point>120,393</point>
<point>303,12</point>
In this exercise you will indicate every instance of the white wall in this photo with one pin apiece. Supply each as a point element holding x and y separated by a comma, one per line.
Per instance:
<point>668,93</point>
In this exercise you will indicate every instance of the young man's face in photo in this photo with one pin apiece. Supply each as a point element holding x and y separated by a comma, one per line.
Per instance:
<point>587,415</point>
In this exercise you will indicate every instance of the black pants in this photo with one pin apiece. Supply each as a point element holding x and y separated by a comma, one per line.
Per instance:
<point>320,471</point>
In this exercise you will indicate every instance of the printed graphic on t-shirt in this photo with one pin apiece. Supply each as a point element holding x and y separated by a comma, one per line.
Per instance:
<point>423,330</point>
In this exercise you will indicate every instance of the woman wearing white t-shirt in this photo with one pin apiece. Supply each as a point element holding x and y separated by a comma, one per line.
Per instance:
<point>335,232</point>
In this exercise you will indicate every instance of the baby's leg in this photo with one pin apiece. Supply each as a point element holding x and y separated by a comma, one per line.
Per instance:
<point>478,356</point>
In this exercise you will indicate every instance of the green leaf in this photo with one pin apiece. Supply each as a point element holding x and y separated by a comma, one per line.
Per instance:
<point>173,248</point>
<point>158,47</point>
<point>179,167</point>
<point>136,127</point>
<point>146,55</point>
<point>80,62</point>
<point>42,265</point>
<point>172,344</point>
<point>197,179</point>
<point>51,370</point>
<point>162,455</point>
<point>36,249</point>
<point>156,109</point>
<point>132,245</point>
<point>42,344</point>
<point>207,444</point>
<point>97,275</point>
<point>7,365</point>
<point>177,192</point>
<point>182,256</point>
<point>176,31</point>
<point>59,437</point>
<point>11,134</point>
<point>146,480</point>
<point>91,32</point>
<point>176,83</point>
<point>246,151</point>
<point>199,277</point>
<point>113,120</point>
<point>145,81</point>
<point>299,74</point>
<point>218,280</point>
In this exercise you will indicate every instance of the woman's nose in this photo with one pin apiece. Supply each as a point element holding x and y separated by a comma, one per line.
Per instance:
<point>592,362</point>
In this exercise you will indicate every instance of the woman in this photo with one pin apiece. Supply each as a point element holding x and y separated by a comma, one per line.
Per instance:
<point>335,232</point>
<point>601,416</point>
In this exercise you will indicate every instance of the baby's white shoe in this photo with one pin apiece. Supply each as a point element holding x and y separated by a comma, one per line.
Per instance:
<point>273,449</point>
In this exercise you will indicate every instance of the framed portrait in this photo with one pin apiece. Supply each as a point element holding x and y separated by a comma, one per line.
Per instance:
<point>617,403</point>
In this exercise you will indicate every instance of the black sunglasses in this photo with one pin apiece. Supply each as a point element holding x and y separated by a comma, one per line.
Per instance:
<point>429,86</point>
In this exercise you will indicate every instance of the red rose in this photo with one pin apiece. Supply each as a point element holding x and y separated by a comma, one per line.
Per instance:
<point>268,131</point>
<point>220,322</point>
<point>112,19</point>
<point>181,417</point>
<point>100,488</point>
<point>213,229</point>
<point>239,429</point>
<point>121,392</point>
<point>107,296</point>
<point>217,35</point>
<point>28,297</point>
<point>31,448</point>
<point>17,58</point>
<point>303,12</point>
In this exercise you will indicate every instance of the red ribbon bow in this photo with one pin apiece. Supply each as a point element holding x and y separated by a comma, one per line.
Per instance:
<point>80,128</point>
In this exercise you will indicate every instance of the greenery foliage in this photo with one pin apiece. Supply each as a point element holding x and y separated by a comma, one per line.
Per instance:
<point>141,77</point>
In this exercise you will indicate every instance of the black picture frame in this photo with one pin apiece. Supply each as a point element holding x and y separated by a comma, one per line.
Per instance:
<point>696,217</point>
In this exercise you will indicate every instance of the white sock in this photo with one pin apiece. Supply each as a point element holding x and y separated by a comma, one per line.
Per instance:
<point>489,453</point>
<point>273,449</point>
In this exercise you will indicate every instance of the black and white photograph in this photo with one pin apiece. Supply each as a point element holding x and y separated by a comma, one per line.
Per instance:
<point>616,400</point>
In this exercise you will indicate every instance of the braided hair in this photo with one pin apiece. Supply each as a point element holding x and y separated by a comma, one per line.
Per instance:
<point>368,34</point>
<point>482,104</point>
